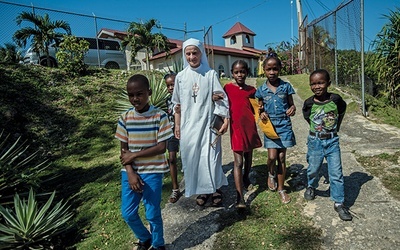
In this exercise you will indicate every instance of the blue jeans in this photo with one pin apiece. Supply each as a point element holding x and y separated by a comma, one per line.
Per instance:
<point>151,197</point>
<point>318,150</point>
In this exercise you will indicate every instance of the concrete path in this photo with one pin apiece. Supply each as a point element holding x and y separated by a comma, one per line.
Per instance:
<point>376,224</point>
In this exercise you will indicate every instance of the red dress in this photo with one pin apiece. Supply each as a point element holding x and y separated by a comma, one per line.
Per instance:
<point>243,130</point>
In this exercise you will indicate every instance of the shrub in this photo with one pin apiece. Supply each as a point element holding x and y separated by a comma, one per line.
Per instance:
<point>30,226</point>
<point>18,167</point>
<point>71,54</point>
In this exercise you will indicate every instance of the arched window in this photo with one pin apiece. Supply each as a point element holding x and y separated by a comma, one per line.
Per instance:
<point>247,39</point>
<point>233,40</point>
<point>221,71</point>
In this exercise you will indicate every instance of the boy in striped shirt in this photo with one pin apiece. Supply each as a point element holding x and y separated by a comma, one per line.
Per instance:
<point>143,131</point>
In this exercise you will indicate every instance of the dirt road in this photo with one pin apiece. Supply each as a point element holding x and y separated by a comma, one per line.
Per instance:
<point>376,223</point>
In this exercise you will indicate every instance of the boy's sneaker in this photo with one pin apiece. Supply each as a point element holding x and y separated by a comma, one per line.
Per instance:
<point>309,194</point>
<point>143,245</point>
<point>158,248</point>
<point>343,212</point>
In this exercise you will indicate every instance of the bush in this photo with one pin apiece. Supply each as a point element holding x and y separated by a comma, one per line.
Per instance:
<point>31,227</point>
<point>71,54</point>
<point>18,167</point>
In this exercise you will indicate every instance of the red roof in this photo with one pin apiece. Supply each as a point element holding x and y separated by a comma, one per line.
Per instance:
<point>219,50</point>
<point>238,28</point>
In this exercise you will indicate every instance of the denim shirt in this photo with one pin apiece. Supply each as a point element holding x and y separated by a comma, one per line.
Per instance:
<point>275,104</point>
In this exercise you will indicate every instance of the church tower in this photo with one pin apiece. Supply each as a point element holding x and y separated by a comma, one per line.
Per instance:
<point>239,36</point>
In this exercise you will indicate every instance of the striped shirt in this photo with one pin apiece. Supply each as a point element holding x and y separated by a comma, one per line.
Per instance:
<point>145,130</point>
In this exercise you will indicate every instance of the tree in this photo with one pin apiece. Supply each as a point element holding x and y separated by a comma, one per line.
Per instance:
<point>387,48</point>
<point>9,53</point>
<point>71,55</point>
<point>42,35</point>
<point>140,37</point>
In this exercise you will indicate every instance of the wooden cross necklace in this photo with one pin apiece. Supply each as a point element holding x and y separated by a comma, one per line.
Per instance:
<point>195,89</point>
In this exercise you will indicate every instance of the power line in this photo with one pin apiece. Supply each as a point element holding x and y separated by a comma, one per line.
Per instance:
<point>251,8</point>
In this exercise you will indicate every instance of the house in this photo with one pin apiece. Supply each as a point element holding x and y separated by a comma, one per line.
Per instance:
<point>239,44</point>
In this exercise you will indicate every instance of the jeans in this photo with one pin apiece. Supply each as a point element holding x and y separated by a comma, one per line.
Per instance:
<point>151,197</point>
<point>318,149</point>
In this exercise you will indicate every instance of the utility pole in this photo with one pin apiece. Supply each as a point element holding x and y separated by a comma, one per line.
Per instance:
<point>302,33</point>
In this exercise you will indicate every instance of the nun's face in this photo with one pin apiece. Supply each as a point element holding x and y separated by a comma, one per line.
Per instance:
<point>193,56</point>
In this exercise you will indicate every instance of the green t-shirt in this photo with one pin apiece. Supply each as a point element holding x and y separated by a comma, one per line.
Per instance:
<point>324,117</point>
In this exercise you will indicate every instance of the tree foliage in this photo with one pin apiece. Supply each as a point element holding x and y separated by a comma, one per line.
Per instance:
<point>9,53</point>
<point>140,37</point>
<point>42,35</point>
<point>387,57</point>
<point>71,54</point>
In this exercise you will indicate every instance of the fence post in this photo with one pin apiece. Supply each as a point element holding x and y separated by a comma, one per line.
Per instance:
<point>97,39</point>
<point>362,58</point>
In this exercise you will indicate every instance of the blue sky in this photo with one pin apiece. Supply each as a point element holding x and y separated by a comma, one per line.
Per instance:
<point>272,20</point>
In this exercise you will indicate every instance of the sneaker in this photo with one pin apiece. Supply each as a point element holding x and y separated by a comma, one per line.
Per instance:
<point>343,212</point>
<point>158,248</point>
<point>175,195</point>
<point>143,245</point>
<point>309,194</point>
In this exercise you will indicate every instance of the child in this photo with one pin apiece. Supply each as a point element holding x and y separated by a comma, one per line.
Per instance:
<point>243,130</point>
<point>276,104</point>
<point>173,142</point>
<point>143,131</point>
<point>324,112</point>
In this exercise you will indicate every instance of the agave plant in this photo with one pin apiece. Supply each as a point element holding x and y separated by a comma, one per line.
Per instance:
<point>157,98</point>
<point>30,226</point>
<point>18,167</point>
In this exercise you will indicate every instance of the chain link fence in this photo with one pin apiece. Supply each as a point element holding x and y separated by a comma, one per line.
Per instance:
<point>81,25</point>
<point>333,42</point>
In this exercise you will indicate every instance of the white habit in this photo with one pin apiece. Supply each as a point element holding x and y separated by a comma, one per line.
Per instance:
<point>202,163</point>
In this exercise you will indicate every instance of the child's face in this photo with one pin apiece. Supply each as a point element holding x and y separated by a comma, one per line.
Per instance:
<point>239,73</point>
<point>170,81</point>
<point>138,95</point>
<point>272,69</point>
<point>319,84</point>
<point>193,56</point>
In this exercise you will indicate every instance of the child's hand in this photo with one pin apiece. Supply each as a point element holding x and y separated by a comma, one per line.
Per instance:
<point>264,116</point>
<point>177,132</point>
<point>177,108</point>
<point>224,126</point>
<point>135,182</point>
<point>217,96</point>
<point>291,111</point>
<point>126,157</point>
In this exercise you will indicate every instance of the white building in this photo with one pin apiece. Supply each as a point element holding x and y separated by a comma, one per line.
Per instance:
<point>239,44</point>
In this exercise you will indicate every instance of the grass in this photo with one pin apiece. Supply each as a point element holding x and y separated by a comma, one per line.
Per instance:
<point>268,224</point>
<point>73,121</point>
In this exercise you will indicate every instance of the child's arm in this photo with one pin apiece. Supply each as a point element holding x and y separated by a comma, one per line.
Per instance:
<point>135,182</point>
<point>263,114</point>
<point>291,111</point>
<point>177,124</point>
<point>128,157</point>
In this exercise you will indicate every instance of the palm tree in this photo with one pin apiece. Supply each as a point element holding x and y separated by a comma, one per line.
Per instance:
<point>140,37</point>
<point>9,53</point>
<point>42,35</point>
<point>387,48</point>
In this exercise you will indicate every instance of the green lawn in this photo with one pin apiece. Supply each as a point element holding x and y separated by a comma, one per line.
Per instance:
<point>73,120</point>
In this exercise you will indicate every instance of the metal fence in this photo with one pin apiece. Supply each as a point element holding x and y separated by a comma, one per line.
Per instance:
<point>333,42</point>
<point>81,25</point>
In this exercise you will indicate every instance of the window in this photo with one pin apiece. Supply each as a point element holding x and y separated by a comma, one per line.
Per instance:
<point>233,40</point>
<point>221,71</point>
<point>247,39</point>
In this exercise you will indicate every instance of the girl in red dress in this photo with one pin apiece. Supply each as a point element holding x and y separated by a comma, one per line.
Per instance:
<point>243,130</point>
